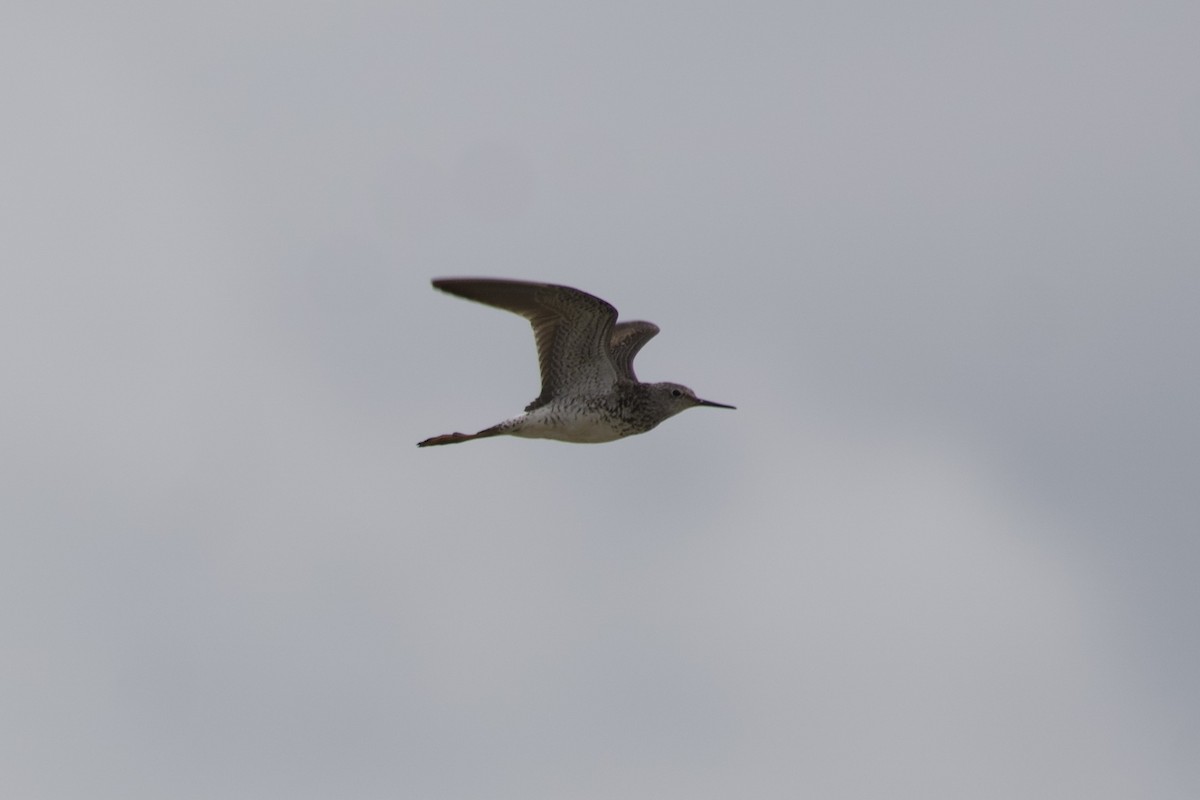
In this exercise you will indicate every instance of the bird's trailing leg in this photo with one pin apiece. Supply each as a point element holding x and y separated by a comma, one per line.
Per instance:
<point>455,438</point>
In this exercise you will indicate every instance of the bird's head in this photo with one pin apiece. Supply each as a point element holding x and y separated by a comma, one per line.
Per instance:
<point>674,397</point>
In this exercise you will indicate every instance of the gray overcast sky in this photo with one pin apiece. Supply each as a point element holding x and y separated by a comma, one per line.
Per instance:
<point>944,257</point>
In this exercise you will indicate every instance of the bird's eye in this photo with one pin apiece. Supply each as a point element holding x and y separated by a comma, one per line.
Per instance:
<point>676,393</point>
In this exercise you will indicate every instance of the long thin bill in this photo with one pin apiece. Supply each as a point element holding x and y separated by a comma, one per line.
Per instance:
<point>714,405</point>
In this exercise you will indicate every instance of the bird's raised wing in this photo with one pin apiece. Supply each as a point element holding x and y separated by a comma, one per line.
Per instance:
<point>627,339</point>
<point>572,330</point>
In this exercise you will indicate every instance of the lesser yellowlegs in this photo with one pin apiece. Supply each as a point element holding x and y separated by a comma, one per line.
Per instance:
<point>589,390</point>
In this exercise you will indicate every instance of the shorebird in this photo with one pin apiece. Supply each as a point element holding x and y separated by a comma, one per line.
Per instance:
<point>589,390</point>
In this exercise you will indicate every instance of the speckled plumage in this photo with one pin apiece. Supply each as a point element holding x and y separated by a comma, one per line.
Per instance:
<point>589,390</point>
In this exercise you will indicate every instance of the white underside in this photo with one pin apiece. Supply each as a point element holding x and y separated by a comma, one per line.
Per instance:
<point>543,423</point>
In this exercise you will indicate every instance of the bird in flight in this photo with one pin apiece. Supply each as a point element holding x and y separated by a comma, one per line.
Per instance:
<point>589,390</point>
